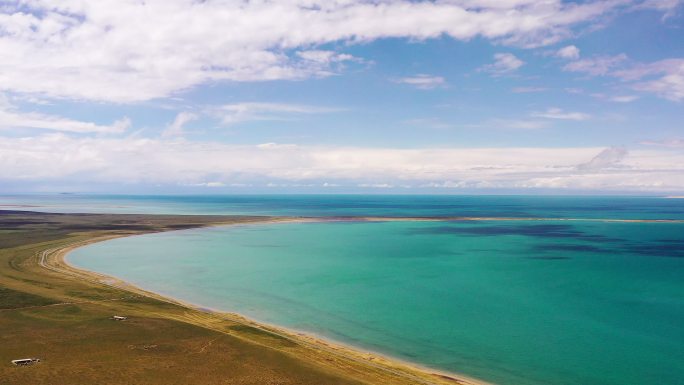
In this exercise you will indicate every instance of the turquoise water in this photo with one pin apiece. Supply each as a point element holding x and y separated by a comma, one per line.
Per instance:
<point>512,302</point>
<point>380,205</point>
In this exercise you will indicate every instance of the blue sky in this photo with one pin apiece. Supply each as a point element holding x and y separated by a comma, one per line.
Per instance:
<point>459,96</point>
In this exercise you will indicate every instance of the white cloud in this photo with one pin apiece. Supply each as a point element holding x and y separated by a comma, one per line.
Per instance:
<point>423,81</point>
<point>274,146</point>
<point>504,63</point>
<point>597,65</point>
<point>242,112</point>
<point>569,52</point>
<point>615,98</point>
<point>59,158</point>
<point>557,113</point>
<point>176,127</point>
<point>673,143</point>
<point>668,7</point>
<point>376,185</point>
<point>128,50</point>
<point>208,184</point>
<point>610,157</point>
<point>11,117</point>
<point>323,63</point>
<point>31,99</point>
<point>623,98</point>
<point>664,78</point>
<point>324,57</point>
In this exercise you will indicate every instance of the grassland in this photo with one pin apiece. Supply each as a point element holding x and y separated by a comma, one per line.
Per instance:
<point>62,316</point>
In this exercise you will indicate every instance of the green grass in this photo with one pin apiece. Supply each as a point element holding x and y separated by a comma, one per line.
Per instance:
<point>12,299</point>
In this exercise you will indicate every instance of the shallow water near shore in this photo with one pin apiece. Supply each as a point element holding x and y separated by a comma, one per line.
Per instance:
<point>511,302</point>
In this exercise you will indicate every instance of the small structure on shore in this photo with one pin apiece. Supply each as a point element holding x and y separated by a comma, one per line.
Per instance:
<point>119,318</point>
<point>25,361</point>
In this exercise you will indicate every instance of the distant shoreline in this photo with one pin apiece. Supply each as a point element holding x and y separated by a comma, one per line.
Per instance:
<point>377,218</point>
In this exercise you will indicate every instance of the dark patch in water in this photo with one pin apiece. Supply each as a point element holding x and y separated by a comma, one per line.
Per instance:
<point>542,231</point>
<point>679,242</point>
<point>562,247</point>
<point>671,248</point>
<point>549,257</point>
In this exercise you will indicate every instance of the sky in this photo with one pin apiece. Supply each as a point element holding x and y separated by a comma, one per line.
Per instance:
<point>337,96</point>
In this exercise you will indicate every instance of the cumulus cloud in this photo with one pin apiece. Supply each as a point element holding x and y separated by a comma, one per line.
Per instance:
<point>128,50</point>
<point>557,113</point>
<point>60,158</point>
<point>423,81</point>
<point>569,52</point>
<point>504,63</point>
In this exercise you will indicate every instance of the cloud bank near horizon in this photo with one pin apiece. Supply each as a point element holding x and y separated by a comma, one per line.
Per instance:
<point>62,159</point>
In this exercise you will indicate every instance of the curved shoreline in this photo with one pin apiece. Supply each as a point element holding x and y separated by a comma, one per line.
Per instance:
<point>401,370</point>
<point>55,259</point>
